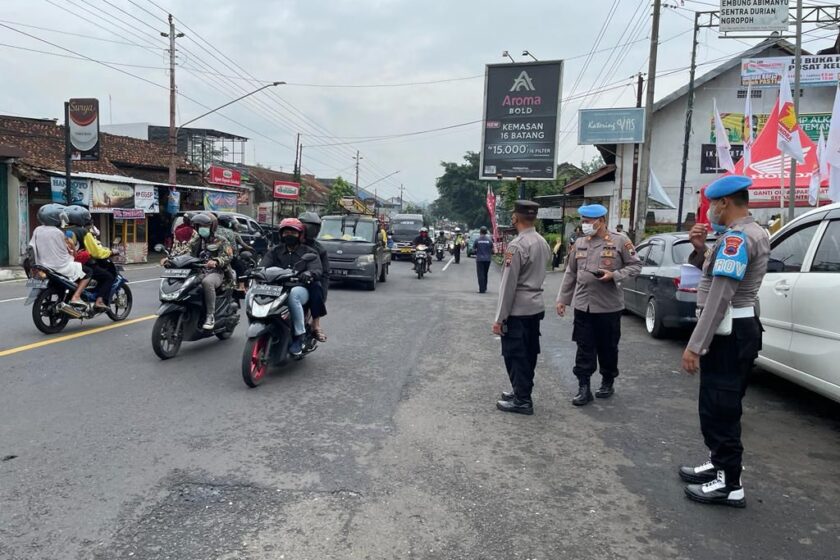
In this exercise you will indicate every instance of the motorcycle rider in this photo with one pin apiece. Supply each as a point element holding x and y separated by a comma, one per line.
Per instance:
<point>53,250</point>
<point>218,253</point>
<point>83,239</point>
<point>228,227</point>
<point>424,239</point>
<point>319,288</point>
<point>289,254</point>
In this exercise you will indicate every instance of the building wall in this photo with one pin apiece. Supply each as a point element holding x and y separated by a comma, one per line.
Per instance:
<point>132,130</point>
<point>14,212</point>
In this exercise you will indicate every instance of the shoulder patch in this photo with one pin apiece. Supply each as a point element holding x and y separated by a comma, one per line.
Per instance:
<point>630,247</point>
<point>731,260</point>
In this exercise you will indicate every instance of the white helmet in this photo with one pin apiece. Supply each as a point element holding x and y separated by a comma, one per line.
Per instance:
<point>457,230</point>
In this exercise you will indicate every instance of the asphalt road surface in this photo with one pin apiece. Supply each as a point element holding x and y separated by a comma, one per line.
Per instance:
<point>384,444</point>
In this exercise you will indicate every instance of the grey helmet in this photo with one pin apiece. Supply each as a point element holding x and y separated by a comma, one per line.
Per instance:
<point>78,215</point>
<point>53,214</point>
<point>312,222</point>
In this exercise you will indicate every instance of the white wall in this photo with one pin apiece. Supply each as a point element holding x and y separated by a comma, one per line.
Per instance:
<point>13,190</point>
<point>132,130</point>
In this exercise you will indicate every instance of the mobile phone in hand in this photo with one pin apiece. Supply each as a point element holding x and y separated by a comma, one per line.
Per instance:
<point>597,273</point>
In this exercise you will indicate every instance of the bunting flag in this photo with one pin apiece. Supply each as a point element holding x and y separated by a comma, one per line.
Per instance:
<point>722,143</point>
<point>748,128</point>
<point>491,209</point>
<point>832,151</point>
<point>788,137</point>
<point>658,194</point>
<point>820,172</point>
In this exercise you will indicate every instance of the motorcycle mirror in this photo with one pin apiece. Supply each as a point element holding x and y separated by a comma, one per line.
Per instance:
<point>309,257</point>
<point>159,248</point>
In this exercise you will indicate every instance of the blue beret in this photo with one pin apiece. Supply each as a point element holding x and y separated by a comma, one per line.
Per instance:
<point>592,211</point>
<point>727,185</point>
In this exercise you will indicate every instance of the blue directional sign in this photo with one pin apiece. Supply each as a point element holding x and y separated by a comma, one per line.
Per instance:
<point>611,126</point>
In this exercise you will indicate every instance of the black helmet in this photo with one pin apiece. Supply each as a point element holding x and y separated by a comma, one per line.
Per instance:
<point>79,215</point>
<point>202,219</point>
<point>312,223</point>
<point>227,221</point>
<point>53,215</point>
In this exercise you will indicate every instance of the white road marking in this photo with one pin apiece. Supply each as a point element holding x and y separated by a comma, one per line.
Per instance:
<point>12,299</point>
<point>141,281</point>
<point>451,260</point>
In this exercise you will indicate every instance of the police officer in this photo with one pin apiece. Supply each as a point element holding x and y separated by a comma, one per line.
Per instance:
<point>599,261</point>
<point>521,307</point>
<point>727,337</point>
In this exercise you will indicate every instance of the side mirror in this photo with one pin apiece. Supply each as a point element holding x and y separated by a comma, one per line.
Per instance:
<point>159,248</point>
<point>310,257</point>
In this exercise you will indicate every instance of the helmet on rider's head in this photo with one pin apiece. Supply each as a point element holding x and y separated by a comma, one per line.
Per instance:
<point>53,214</point>
<point>79,215</point>
<point>312,223</point>
<point>203,219</point>
<point>424,230</point>
<point>292,224</point>
<point>457,230</point>
<point>227,221</point>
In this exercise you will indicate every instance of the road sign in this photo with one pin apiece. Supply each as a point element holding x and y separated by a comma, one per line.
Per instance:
<point>611,126</point>
<point>521,110</point>
<point>754,15</point>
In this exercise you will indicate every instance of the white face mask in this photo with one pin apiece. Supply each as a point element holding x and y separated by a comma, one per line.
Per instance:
<point>588,229</point>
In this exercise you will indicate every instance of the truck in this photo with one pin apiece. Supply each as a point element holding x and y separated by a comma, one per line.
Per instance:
<point>355,250</point>
<point>404,228</point>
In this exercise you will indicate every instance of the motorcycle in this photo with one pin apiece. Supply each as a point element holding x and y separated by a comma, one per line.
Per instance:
<point>421,260</point>
<point>182,309</point>
<point>439,248</point>
<point>50,294</point>
<point>270,326</point>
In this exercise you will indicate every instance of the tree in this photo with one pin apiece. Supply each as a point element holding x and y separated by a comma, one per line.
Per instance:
<point>461,195</point>
<point>566,172</point>
<point>340,189</point>
<point>593,165</point>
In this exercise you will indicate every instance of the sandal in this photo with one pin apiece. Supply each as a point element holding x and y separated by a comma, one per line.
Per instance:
<point>319,335</point>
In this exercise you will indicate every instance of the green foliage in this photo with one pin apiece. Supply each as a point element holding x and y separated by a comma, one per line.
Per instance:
<point>593,165</point>
<point>566,173</point>
<point>663,228</point>
<point>461,195</point>
<point>340,189</point>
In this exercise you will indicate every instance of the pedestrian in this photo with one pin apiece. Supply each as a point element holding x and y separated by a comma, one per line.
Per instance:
<point>600,260</point>
<point>521,307</point>
<point>483,249</point>
<point>727,337</point>
<point>557,253</point>
<point>619,228</point>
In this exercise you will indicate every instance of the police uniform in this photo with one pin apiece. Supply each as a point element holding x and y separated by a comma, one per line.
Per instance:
<point>597,304</point>
<point>728,338</point>
<point>520,310</point>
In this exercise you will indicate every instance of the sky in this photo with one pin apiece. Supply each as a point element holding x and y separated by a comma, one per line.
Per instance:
<point>321,48</point>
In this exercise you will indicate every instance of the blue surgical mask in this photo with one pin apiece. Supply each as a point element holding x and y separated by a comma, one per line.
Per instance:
<point>718,228</point>
<point>204,232</point>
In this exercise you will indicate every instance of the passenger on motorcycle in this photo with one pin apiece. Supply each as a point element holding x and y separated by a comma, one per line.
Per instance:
<point>183,235</point>
<point>95,259</point>
<point>218,253</point>
<point>53,250</point>
<point>424,239</point>
<point>228,227</point>
<point>289,254</point>
<point>319,288</point>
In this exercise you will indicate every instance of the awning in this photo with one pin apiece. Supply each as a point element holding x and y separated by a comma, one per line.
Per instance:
<point>123,179</point>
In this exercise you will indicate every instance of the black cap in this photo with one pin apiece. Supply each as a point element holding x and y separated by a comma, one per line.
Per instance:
<point>483,229</point>
<point>526,208</point>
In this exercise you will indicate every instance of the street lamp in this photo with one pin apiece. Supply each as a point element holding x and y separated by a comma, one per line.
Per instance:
<point>528,53</point>
<point>506,54</point>
<point>174,147</point>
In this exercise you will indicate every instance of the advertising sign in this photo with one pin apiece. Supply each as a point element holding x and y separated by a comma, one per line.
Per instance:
<point>709,161</point>
<point>815,70</point>
<point>286,190</point>
<point>83,122</point>
<point>220,202</point>
<point>79,191</point>
<point>611,126</point>
<point>129,214</point>
<point>146,198</point>
<point>107,196</point>
<point>754,15</point>
<point>173,205</point>
<point>811,124</point>
<point>521,110</point>
<point>224,176</point>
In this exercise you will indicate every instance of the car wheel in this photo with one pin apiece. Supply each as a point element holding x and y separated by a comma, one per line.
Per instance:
<point>653,320</point>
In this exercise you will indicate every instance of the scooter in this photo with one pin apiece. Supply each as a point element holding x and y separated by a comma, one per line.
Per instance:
<point>421,262</point>
<point>270,326</point>
<point>439,248</point>
<point>50,293</point>
<point>182,310</point>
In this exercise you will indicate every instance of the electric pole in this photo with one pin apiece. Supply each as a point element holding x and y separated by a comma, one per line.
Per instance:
<point>358,158</point>
<point>689,115</point>
<point>641,215</point>
<point>173,141</point>
<point>296,173</point>
<point>401,197</point>
<point>796,90</point>
<point>634,182</point>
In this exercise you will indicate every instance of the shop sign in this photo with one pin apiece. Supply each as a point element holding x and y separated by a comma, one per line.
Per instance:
<point>146,198</point>
<point>611,126</point>
<point>220,202</point>
<point>754,15</point>
<point>815,70</point>
<point>709,160</point>
<point>79,191</point>
<point>83,124</point>
<point>105,197</point>
<point>129,214</point>
<point>811,124</point>
<point>224,176</point>
<point>286,190</point>
<point>552,213</point>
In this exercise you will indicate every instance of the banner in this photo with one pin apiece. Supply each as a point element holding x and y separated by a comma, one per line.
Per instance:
<point>286,190</point>
<point>611,126</point>
<point>754,15</point>
<point>173,204</point>
<point>79,190</point>
<point>83,122</point>
<point>224,176</point>
<point>107,196</point>
<point>521,113</point>
<point>735,123</point>
<point>220,202</point>
<point>815,70</point>
<point>129,214</point>
<point>708,158</point>
<point>491,209</point>
<point>146,198</point>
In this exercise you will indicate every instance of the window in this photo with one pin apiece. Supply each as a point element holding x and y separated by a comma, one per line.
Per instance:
<point>657,254</point>
<point>827,258</point>
<point>642,252</point>
<point>788,254</point>
<point>755,94</point>
<point>683,249</point>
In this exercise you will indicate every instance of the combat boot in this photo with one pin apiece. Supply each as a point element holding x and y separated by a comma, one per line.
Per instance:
<point>606,390</point>
<point>718,492</point>
<point>699,475</point>
<point>583,397</point>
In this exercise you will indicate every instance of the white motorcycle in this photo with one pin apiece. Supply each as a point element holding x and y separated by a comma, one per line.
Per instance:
<point>421,260</point>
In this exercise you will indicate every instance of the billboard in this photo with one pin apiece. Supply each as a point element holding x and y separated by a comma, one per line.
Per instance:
<point>220,202</point>
<point>754,15</point>
<point>83,124</point>
<point>709,160</point>
<point>815,70</point>
<point>146,199</point>
<point>286,190</point>
<point>79,192</point>
<point>811,124</point>
<point>611,126</point>
<point>521,110</point>
<point>107,196</point>
<point>224,176</point>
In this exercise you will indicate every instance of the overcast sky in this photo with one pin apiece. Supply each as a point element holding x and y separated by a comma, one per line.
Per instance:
<point>338,42</point>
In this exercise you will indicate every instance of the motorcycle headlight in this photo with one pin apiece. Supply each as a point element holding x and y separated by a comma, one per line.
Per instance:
<point>365,259</point>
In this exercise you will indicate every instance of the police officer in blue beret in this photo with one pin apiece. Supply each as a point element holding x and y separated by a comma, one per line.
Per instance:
<point>599,261</point>
<point>727,338</point>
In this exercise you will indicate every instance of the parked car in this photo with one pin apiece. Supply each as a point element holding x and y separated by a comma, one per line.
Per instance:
<point>471,242</point>
<point>655,294</point>
<point>800,305</point>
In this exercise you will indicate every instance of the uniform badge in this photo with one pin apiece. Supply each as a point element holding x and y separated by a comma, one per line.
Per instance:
<point>508,258</point>
<point>630,248</point>
<point>732,258</point>
<point>732,245</point>
<point>607,262</point>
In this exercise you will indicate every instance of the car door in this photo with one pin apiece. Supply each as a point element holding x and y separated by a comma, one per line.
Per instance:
<point>648,279</point>
<point>787,255</point>
<point>629,285</point>
<point>815,342</point>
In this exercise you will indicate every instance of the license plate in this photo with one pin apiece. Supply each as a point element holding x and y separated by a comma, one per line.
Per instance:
<point>267,290</point>
<point>175,273</point>
<point>36,283</point>
<point>406,250</point>
<point>339,272</point>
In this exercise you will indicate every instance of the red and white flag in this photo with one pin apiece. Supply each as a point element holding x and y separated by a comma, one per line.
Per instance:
<point>787,139</point>
<point>722,143</point>
<point>491,209</point>
<point>748,129</point>
<point>820,173</point>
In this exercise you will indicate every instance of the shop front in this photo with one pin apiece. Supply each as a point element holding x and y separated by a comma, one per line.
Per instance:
<point>123,210</point>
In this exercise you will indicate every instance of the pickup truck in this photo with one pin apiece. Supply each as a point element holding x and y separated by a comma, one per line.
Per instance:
<point>355,251</point>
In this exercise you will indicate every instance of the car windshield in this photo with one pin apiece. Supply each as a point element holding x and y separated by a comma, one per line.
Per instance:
<point>347,229</point>
<point>406,228</point>
<point>682,250</point>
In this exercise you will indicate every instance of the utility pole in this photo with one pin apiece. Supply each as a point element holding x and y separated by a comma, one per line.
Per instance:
<point>689,114</point>
<point>68,151</point>
<point>173,140</point>
<point>401,197</point>
<point>796,90</point>
<point>296,172</point>
<point>645,163</point>
<point>358,158</point>
<point>634,182</point>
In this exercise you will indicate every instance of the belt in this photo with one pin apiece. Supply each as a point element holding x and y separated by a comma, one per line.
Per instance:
<point>743,312</point>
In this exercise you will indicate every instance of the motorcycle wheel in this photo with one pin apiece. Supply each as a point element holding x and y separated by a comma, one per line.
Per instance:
<point>383,274</point>
<point>121,303</point>
<point>255,361</point>
<point>46,317</point>
<point>420,273</point>
<point>165,340</point>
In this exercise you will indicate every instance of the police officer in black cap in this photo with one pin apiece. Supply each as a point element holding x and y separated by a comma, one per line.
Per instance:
<point>521,307</point>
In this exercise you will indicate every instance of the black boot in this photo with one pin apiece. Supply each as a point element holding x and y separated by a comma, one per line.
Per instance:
<point>718,492</point>
<point>517,406</point>
<point>699,475</point>
<point>508,395</point>
<point>583,397</point>
<point>606,390</point>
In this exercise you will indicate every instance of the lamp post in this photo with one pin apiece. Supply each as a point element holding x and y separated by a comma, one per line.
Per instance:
<point>174,155</point>
<point>528,53</point>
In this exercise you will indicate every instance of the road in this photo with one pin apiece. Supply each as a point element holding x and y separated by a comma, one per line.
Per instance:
<point>385,443</point>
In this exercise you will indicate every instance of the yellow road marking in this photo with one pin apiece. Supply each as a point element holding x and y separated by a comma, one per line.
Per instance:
<point>67,337</point>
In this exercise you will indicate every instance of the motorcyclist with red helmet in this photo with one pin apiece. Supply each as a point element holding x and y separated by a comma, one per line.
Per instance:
<point>289,254</point>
